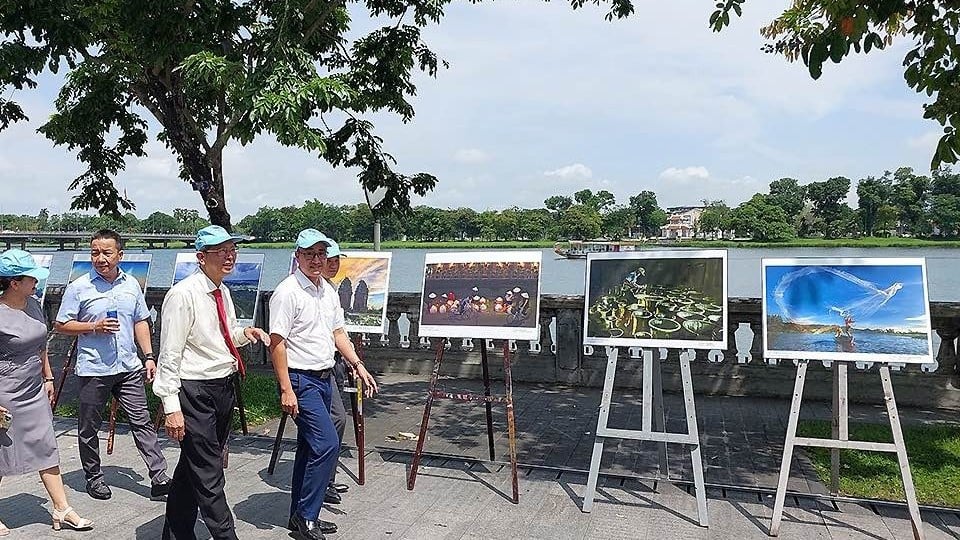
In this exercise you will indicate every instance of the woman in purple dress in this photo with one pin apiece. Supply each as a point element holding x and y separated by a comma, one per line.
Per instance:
<point>27,441</point>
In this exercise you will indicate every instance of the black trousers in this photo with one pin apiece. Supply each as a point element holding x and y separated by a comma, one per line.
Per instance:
<point>198,480</point>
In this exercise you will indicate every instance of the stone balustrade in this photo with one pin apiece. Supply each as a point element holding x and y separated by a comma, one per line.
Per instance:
<point>560,357</point>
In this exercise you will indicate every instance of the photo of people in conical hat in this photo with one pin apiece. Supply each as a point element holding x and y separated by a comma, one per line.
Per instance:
<point>481,294</point>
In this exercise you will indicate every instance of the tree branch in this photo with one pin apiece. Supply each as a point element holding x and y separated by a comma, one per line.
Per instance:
<point>320,19</point>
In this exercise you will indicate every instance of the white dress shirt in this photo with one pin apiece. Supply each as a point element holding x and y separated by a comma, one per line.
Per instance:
<point>305,316</point>
<point>191,345</point>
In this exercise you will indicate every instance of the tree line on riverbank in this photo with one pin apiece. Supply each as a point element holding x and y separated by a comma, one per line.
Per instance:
<point>895,204</point>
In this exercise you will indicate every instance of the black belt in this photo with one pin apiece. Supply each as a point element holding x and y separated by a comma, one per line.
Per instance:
<point>312,372</point>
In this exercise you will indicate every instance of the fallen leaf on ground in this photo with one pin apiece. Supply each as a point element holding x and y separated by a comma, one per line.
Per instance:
<point>402,436</point>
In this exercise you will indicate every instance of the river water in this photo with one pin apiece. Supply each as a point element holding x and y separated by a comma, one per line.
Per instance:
<point>566,276</point>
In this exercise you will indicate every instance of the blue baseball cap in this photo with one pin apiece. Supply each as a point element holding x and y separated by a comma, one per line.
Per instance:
<point>309,237</point>
<point>215,234</point>
<point>334,250</point>
<point>17,262</point>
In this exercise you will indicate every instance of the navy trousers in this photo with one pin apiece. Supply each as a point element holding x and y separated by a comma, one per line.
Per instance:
<point>318,445</point>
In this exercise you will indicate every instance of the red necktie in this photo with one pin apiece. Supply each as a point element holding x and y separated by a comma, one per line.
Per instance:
<point>225,330</point>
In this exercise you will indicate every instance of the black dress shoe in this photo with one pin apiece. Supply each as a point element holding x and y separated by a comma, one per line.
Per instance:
<point>306,529</point>
<point>331,496</point>
<point>160,489</point>
<point>99,490</point>
<point>326,527</point>
<point>341,488</point>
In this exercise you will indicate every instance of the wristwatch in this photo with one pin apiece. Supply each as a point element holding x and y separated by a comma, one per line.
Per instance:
<point>149,356</point>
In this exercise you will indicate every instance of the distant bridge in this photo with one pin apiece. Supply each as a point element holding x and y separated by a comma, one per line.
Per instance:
<point>73,240</point>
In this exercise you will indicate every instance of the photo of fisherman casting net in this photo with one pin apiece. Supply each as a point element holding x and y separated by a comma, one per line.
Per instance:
<point>869,308</point>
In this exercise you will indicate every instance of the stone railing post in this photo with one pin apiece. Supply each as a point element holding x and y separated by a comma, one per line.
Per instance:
<point>393,329</point>
<point>569,339</point>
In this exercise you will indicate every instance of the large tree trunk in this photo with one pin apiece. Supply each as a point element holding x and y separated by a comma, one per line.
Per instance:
<point>214,199</point>
<point>202,166</point>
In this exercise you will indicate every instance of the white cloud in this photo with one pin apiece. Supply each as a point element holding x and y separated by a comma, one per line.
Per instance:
<point>159,166</point>
<point>926,142</point>
<point>643,104</point>
<point>471,156</point>
<point>575,172</point>
<point>685,174</point>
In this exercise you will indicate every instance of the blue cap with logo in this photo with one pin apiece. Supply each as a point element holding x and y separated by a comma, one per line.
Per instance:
<point>17,262</point>
<point>215,234</point>
<point>309,237</point>
<point>334,250</point>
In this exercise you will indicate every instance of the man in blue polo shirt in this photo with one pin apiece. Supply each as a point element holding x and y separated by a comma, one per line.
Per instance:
<point>106,310</point>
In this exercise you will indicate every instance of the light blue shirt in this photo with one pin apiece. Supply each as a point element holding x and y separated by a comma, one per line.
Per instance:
<point>87,299</point>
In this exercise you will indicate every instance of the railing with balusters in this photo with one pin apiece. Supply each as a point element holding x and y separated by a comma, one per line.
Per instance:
<point>559,356</point>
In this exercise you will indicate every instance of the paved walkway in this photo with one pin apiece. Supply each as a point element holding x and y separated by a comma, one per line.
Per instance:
<point>469,498</point>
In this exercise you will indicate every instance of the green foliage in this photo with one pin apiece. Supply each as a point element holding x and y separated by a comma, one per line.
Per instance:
<point>599,201</point>
<point>712,220</point>
<point>872,195</point>
<point>580,222</point>
<point>788,194</point>
<point>558,204</point>
<point>815,31</point>
<point>910,196</point>
<point>649,216</point>
<point>945,202</point>
<point>934,452</point>
<point>827,197</point>
<point>617,222</point>
<point>761,220</point>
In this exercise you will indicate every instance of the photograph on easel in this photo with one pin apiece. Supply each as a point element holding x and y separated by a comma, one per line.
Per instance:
<point>657,298</point>
<point>43,260</point>
<point>362,284</point>
<point>243,282</point>
<point>136,266</point>
<point>482,294</point>
<point>871,309</point>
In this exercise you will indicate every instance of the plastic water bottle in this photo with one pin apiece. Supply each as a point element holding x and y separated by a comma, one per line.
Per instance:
<point>112,314</point>
<point>111,308</point>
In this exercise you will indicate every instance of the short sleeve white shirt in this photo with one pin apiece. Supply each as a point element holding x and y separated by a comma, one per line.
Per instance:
<point>306,316</point>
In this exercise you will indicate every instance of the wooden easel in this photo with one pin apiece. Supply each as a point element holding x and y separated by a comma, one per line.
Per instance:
<point>841,440</point>
<point>434,393</point>
<point>652,412</point>
<point>355,389</point>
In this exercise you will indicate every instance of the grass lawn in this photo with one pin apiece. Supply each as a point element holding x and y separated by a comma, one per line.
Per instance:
<point>261,402</point>
<point>933,451</point>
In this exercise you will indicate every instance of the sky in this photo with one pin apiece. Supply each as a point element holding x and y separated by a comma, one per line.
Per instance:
<point>540,100</point>
<point>878,297</point>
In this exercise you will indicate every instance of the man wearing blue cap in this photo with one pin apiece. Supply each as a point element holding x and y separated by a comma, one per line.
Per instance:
<point>106,310</point>
<point>196,376</point>
<point>306,328</point>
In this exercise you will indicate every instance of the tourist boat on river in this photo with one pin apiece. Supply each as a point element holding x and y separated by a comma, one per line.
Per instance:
<point>578,249</point>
